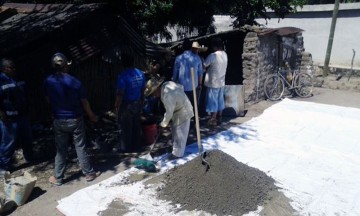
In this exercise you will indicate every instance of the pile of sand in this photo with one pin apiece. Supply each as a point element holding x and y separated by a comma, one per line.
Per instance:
<point>228,187</point>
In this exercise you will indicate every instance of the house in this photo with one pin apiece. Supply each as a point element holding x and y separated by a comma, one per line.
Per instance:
<point>90,35</point>
<point>253,53</point>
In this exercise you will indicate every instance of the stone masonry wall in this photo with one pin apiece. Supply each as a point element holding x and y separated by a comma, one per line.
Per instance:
<point>261,57</point>
<point>250,59</point>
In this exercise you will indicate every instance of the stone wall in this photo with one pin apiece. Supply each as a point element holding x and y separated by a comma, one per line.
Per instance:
<point>263,54</point>
<point>251,60</point>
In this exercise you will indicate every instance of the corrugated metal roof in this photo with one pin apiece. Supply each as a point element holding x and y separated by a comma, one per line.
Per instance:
<point>29,22</point>
<point>21,24</point>
<point>282,31</point>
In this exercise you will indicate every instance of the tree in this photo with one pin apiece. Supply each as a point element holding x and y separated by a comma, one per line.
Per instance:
<point>151,17</point>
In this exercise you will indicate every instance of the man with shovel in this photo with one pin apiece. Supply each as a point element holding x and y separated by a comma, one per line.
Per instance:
<point>178,110</point>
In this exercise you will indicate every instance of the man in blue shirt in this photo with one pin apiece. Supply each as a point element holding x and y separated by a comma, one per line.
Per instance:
<point>129,100</point>
<point>182,69</point>
<point>68,100</point>
<point>14,118</point>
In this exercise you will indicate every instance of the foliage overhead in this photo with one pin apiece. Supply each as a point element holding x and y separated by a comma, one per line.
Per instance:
<point>151,17</point>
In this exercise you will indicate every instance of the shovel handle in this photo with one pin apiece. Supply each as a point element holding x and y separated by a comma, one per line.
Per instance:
<point>196,112</point>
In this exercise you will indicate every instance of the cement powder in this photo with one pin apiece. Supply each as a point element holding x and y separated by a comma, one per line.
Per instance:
<point>229,187</point>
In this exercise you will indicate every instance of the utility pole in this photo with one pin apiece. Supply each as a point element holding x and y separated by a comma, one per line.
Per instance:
<point>331,38</point>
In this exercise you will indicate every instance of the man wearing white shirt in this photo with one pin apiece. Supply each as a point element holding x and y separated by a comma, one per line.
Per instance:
<point>215,64</point>
<point>178,110</point>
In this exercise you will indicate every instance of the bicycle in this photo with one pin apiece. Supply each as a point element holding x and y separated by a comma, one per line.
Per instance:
<point>295,81</point>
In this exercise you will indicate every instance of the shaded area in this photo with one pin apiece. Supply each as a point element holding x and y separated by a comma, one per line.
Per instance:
<point>229,187</point>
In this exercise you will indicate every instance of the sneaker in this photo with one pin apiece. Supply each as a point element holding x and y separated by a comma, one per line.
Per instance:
<point>91,176</point>
<point>54,181</point>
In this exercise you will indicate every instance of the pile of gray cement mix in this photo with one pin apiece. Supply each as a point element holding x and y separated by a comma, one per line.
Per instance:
<point>229,187</point>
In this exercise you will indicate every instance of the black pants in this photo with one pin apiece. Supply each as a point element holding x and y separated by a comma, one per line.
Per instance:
<point>130,125</point>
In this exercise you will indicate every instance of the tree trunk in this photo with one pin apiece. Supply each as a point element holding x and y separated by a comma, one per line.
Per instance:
<point>331,38</point>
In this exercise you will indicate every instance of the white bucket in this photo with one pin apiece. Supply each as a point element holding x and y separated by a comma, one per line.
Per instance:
<point>19,188</point>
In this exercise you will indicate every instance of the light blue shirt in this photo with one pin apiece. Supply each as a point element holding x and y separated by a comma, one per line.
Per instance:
<point>182,72</point>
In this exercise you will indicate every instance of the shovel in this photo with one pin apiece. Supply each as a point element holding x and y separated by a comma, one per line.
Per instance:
<point>201,153</point>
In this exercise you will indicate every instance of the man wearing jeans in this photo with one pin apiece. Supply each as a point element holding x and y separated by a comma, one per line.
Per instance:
<point>14,118</point>
<point>68,100</point>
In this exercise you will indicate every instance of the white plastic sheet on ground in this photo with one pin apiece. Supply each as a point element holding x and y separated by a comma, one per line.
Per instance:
<point>311,150</point>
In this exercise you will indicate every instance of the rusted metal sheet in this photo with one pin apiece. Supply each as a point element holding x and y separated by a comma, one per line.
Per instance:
<point>234,100</point>
<point>283,31</point>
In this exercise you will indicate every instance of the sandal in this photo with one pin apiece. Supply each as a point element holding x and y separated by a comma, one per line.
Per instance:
<point>212,122</point>
<point>91,176</point>
<point>54,181</point>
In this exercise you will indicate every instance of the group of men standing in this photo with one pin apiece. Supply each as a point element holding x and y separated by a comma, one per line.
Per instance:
<point>214,66</point>
<point>177,95</point>
<point>68,99</point>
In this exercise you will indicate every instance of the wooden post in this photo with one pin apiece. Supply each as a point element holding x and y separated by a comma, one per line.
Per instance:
<point>331,38</point>
<point>196,112</point>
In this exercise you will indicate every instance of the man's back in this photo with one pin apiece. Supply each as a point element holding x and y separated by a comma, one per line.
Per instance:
<point>182,69</point>
<point>217,64</point>
<point>65,93</point>
<point>132,82</point>
<point>177,105</point>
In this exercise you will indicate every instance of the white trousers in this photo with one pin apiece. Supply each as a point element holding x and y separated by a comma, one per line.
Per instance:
<point>179,138</point>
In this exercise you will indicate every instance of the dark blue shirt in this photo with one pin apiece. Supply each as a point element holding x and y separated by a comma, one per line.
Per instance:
<point>131,82</point>
<point>13,101</point>
<point>65,93</point>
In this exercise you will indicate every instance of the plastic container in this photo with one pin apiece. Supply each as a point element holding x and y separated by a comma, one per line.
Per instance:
<point>149,133</point>
<point>19,188</point>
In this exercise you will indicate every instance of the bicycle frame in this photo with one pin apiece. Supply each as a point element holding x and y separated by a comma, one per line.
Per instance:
<point>288,85</point>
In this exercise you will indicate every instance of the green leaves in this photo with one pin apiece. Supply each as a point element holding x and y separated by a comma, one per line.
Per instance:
<point>151,17</point>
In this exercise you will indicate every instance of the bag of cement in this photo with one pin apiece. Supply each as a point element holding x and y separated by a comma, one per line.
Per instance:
<point>19,188</point>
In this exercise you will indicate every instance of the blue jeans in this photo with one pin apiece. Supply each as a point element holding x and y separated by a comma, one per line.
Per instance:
<point>7,144</point>
<point>63,129</point>
<point>11,131</point>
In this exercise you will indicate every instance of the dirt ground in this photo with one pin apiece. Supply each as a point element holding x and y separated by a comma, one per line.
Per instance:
<point>43,200</point>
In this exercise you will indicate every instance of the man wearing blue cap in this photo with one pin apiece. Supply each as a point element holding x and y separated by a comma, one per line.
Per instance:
<point>68,100</point>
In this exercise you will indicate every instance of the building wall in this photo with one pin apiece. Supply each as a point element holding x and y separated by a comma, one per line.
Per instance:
<point>263,55</point>
<point>315,20</point>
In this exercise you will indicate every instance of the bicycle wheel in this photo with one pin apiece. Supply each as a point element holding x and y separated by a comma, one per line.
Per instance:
<point>303,85</point>
<point>274,87</point>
